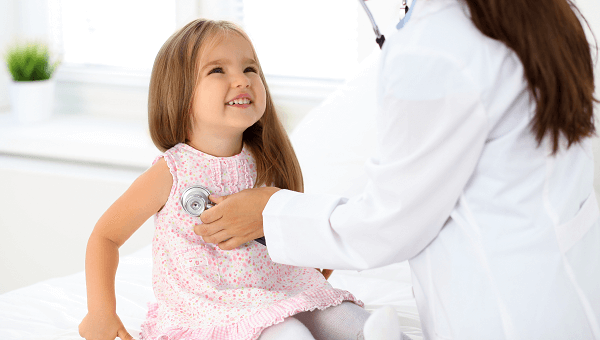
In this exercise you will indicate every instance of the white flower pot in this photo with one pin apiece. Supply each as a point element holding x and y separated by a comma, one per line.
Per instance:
<point>32,101</point>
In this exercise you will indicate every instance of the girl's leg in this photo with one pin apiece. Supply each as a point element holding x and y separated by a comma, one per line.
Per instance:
<point>289,329</point>
<point>347,321</point>
<point>342,322</point>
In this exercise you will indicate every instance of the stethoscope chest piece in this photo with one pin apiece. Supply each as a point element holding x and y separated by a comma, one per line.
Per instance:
<point>194,200</point>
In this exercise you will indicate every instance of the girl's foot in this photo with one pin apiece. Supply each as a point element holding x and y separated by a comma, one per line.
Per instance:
<point>383,324</point>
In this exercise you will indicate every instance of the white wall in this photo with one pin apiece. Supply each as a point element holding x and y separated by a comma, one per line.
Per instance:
<point>48,211</point>
<point>591,10</point>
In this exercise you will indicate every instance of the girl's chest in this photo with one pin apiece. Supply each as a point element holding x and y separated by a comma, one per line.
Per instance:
<point>222,177</point>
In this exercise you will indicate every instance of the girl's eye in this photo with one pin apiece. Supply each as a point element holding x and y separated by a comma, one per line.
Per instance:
<point>250,69</point>
<point>216,70</point>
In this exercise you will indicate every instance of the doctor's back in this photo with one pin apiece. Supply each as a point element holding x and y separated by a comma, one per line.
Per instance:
<point>519,256</point>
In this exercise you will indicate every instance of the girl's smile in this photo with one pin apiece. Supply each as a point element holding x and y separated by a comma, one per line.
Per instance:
<point>242,101</point>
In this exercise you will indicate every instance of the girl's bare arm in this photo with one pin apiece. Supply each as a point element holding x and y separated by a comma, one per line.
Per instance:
<point>143,198</point>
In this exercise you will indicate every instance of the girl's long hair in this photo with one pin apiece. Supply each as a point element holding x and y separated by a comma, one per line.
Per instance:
<point>172,86</point>
<point>550,41</point>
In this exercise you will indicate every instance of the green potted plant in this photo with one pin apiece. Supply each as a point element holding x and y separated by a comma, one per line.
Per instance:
<point>31,90</point>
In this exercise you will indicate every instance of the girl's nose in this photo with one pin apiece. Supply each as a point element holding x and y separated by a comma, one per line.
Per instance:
<point>242,81</point>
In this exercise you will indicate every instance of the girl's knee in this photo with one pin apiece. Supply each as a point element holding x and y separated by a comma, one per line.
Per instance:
<point>291,328</point>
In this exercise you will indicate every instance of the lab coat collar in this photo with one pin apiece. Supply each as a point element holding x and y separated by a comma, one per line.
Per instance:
<point>426,8</point>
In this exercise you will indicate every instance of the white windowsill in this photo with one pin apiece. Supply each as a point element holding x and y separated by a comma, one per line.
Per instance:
<point>281,87</point>
<point>97,74</point>
<point>80,139</point>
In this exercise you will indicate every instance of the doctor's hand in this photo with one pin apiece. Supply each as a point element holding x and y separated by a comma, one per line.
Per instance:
<point>236,219</point>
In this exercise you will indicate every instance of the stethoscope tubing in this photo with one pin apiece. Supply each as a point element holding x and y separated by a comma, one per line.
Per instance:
<point>380,37</point>
<point>373,23</point>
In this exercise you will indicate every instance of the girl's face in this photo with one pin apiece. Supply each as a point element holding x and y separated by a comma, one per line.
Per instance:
<point>229,95</point>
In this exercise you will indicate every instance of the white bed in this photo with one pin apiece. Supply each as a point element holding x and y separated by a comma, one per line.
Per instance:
<point>52,309</point>
<point>332,143</point>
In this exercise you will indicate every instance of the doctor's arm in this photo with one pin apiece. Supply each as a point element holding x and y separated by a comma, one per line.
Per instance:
<point>431,129</point>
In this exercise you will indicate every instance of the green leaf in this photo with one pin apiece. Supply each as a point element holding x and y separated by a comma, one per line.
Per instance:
<point>30,62</point>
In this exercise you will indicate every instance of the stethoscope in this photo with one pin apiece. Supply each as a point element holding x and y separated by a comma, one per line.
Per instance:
<point>194,201</point>
<point>380,38</point>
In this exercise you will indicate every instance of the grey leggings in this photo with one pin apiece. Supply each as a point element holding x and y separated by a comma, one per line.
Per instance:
<point>342,322</point>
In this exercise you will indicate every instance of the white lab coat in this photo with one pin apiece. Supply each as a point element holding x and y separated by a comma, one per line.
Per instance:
<point>503,239</point>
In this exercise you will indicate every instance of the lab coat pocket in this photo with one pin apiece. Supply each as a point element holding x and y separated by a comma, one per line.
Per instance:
<point>198,266</point>
<point>579,242</point>
<point>568,234</point>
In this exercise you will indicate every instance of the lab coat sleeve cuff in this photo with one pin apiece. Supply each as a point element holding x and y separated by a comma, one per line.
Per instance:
<point>293,224</point>
<point>271,227</point>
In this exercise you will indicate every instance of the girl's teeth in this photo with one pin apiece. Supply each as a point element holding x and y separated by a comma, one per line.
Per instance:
<point>239,101</point>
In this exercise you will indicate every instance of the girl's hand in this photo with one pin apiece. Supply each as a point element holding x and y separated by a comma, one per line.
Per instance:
<point>100,326</point>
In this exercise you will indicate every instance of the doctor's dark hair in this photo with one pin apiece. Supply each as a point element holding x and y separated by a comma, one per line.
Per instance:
<point>550,41</point>
<point>172,85</point>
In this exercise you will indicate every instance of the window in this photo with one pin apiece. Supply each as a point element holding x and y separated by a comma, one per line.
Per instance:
<point>306,48</point>
<point>315,38</point>
<point>115,33</point>
<point>309,38</point>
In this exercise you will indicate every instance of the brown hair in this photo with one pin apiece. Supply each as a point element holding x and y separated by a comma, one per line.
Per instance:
<point>550,41</point>
<point>172,87</point>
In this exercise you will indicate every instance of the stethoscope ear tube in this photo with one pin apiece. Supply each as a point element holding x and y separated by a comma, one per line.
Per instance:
<point>380,37</point>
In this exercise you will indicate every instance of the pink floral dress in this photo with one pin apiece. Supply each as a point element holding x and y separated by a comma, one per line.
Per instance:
<point>204,292</point>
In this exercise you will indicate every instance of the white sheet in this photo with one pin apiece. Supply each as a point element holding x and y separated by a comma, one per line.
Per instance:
<point>52,309</point>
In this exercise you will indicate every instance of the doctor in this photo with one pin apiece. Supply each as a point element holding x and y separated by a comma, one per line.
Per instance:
<point>483,177</point>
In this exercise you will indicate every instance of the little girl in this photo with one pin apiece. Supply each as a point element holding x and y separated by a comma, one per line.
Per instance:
<point>211,113</point>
